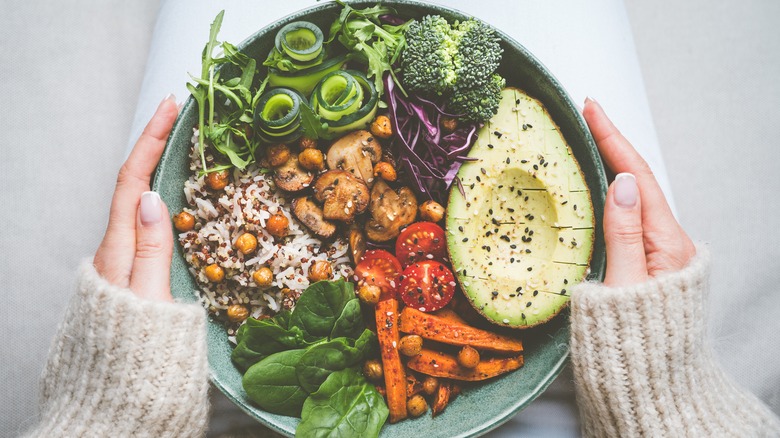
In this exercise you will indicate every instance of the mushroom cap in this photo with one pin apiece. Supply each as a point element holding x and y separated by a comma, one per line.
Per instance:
<point>310,214</point>
<point>356,153</point>
<point>342,194</point>
<point>390,211</point>
<point>291,177</point>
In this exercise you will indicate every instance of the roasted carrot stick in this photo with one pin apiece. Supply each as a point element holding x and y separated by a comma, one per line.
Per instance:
<point>451,332</point>
<point>395,376</point>
<point>437,364</point>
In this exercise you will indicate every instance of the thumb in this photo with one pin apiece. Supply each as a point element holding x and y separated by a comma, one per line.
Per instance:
<point>150,277</point>
<point>626,263</point>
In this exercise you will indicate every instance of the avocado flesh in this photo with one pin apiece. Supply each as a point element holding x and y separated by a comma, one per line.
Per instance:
<point>525,177</point>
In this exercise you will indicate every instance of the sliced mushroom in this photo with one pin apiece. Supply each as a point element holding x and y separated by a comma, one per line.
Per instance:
<point>390,211</point>
<point>357,243</point>
<point>310,214</point>
<point>291,177</point>
<point>342,194</point>
<point>356,153</point>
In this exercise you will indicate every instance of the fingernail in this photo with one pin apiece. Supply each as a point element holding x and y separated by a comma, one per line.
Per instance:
<point>151,213</point>
<point>170,97</point>
<point>589,99</point>
<point>626,190</point>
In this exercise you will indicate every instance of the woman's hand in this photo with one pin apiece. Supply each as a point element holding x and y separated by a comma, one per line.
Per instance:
<point>137,247</point>
<point>642,236</point>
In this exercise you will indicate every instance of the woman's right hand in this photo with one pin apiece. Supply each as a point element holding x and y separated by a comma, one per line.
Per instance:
<point>643,238</point>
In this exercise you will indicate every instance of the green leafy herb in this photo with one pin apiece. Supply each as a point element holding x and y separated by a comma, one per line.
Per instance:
<point>225,102</point>
<point>312,124</point>
<point>377,45</point>
<point>273,383</point>
<point>344,405</point>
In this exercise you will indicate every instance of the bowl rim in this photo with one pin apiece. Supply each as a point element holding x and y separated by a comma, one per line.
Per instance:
<point>599,259</point>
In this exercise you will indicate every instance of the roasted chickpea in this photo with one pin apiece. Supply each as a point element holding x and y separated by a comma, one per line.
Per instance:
<point>246,243</point>
<point>277,225</point>
<point>381,127</point>
<point>307,142</point>
<point>320,270</point>
<point>431,211</point>
<point>218,180</point>
<point>278,154</point>
<point>449,124</point>
<point>184,221</point>
<point>430,385</point>
<point>369,294</point>
<point>410,345</point>
<point>468,357</point>
<point>237,313</point>
<point>416,405</point>
<point>263,277</point>
<point>214,273</point>
<point>311,159</point>
<point>372,369</point>
<point>385,170</point>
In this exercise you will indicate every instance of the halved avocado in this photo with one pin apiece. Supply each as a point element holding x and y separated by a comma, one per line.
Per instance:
<point>522,236</point>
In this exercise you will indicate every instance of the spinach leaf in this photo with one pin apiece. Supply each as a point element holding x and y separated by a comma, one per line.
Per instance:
<point>273,384</point>
<point>323,359</point>
<point>319,306</point>
<point>350,323</point>
<point>257,339</point>
<point>345,405</point>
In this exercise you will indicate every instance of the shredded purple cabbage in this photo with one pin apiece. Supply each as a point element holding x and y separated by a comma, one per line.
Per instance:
<point>391,19</point>
<point>423,155</point>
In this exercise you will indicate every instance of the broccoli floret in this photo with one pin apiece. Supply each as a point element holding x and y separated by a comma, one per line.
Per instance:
<point>427,61</point>
<point>478,54</point>
<point>457,62</point>
<point>477,104</point>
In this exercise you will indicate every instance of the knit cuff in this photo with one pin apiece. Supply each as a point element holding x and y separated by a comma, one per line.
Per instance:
<point>121,365</point>
<point>641,366</point>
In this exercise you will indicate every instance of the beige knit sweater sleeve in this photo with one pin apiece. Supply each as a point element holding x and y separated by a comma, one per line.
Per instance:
<point>642,368</point>
<point>123,366</point>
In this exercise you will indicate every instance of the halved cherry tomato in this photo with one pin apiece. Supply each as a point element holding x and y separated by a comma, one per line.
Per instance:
<point>427,286</point>
<point>421,241</point>
<point>380,268</point>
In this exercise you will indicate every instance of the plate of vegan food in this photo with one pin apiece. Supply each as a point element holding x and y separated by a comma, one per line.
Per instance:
<point>384,208</point>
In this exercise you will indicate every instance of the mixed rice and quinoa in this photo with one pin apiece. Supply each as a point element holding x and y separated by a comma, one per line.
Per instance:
<point>244,206</point>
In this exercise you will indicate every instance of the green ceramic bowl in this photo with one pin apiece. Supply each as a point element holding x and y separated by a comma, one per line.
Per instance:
<point>480,408</point>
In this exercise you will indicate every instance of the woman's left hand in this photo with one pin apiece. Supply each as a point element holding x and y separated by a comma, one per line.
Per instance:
<point>137,248</point>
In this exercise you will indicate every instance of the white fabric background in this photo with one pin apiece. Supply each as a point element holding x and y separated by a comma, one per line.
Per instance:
<point>72,74</point>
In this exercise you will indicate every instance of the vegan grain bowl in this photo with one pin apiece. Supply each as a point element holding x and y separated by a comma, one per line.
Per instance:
<point>379,218</point>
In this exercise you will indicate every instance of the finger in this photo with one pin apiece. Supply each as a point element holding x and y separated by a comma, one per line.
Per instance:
<point>114,258</point>
<point>626,262</point>
<point>136,172</point>
<point>150,276</point>
<point>621,157</point>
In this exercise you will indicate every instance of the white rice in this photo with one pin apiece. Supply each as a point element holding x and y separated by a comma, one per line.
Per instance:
<point>244,206</point>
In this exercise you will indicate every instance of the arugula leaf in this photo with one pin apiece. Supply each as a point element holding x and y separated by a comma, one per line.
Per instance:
<point>345,405</point>
<point>362,33</point>
<point>273,384</point>
<point>223,124</point>
<point>312,124</point>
